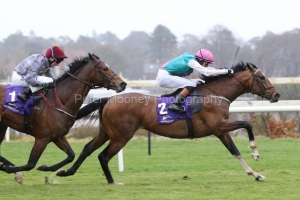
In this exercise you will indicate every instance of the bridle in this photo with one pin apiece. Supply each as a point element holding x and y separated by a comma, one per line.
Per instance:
<point>107,81</point>
<point>264,93</point>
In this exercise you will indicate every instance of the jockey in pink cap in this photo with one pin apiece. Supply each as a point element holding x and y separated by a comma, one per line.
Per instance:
<point>173,74</point>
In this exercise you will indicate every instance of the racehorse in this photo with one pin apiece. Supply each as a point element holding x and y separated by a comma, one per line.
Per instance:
<point>122,115</point>
<point>52,118</point>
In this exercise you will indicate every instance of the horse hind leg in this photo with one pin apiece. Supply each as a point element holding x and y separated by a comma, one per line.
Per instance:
<point>105,156</point>
<point>3,161</point>
<point>36,151</point>
<point>229,144</point>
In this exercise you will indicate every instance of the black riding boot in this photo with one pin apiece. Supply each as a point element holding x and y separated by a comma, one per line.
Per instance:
<point>177,104</point>
<point>25,95</point>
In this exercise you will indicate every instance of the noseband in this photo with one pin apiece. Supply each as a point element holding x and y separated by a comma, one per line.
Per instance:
<point>264,93</point>
<point>107,81</point>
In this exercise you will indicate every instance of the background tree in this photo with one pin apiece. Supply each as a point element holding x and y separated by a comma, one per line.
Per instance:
<point>162,45</point>
<point>223,45</point>
<point>275,54</point>
<point>134,48</point>
<point>108,38</point>
<point>190,43</point>
<point>114,58</point>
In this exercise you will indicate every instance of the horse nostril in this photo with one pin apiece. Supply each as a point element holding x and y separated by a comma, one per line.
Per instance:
<point>123,85</point>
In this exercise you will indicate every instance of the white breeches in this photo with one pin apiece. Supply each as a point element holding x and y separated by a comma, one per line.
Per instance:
<point>16,79</point>
<point>165,79</point>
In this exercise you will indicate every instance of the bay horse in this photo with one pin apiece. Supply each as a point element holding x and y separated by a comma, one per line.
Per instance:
<point>122,115</point>
<point>52,118</point>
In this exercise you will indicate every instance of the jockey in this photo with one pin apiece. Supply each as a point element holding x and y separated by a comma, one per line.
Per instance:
<point>172,74</point>
<point>34,71</point>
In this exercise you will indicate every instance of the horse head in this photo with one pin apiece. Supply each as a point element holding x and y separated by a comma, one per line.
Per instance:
<point>104,76</point>
<point>255,81</point>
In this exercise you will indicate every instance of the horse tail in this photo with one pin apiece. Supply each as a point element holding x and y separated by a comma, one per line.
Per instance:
<point>88,109</point>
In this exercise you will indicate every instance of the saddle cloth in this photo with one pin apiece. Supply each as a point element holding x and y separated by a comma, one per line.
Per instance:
<point>192,105</point>
<point>14,104</point>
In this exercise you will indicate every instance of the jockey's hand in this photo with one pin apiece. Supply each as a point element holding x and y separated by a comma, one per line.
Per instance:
<point>200,82</point>
<point>230,71</point>
<point>48,85</point>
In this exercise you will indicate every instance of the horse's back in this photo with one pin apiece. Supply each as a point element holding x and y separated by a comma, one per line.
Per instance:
<point>130,104</point>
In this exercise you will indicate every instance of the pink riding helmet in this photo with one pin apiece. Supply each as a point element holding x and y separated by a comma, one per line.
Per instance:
<point>206,55</point>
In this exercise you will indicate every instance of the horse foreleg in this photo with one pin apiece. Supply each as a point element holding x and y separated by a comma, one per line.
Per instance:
<point>63,144</point>
<point>3,161</point>
<point>255,154</point>
<point>233,125</point>
<point>36,152</point>
<point>227,141</point>
<point>249,171</point>
<point>88,149</point>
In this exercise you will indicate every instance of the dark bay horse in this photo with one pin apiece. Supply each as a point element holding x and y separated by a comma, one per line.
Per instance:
<point>52,118</point>
<point>122,115</point>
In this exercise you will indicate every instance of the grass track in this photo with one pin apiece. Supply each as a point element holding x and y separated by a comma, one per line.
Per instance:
<point>213,173</point>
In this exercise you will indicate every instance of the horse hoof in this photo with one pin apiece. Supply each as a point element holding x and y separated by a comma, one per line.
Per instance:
<point>255,157</point>
<point>42,167</point>
<point>19,178</point>
<point>61,173</point>
<point>260,178</point>
<point>116,183</point>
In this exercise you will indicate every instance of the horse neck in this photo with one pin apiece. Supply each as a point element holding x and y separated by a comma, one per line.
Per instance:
<point>72,92</point>
<point>227,87</point>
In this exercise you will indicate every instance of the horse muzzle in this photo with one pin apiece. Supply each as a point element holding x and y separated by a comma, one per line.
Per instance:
<point>275,97</point>
<point>118,88</point>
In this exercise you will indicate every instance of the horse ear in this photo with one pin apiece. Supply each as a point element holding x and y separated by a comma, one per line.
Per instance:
<point>250,66</point>
<point>91,57</point>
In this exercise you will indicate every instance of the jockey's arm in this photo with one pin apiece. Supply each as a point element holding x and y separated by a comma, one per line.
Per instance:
<point>207,71</point>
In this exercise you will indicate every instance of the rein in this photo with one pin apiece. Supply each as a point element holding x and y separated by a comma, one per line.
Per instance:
<point>106,82</point>
<point>59,103</point>
<point>264,92</point>
<point>217,95</point>
<point>220,97</point>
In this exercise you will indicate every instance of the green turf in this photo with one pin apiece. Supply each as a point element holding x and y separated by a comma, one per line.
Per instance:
<point>212,172</point>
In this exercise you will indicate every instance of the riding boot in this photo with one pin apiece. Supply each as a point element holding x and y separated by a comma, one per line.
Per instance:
<point>25,95</point>
<point>177,104</point>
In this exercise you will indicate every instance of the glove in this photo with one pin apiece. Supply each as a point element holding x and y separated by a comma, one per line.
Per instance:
<point>230,71</point>
<point>200,82</point>
<point>48,85</point>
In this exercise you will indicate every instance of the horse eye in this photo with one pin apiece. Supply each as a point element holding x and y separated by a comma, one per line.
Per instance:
<point>263,78</point>
<point>106,67</point>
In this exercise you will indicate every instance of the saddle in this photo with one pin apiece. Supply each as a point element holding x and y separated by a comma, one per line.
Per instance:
<point>192,105</point>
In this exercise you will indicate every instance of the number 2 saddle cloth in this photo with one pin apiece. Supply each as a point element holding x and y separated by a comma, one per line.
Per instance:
<point>192,105</point>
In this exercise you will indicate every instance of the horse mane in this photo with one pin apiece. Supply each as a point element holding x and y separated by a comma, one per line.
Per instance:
<point>75,65</point>
<point>241,66</point>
